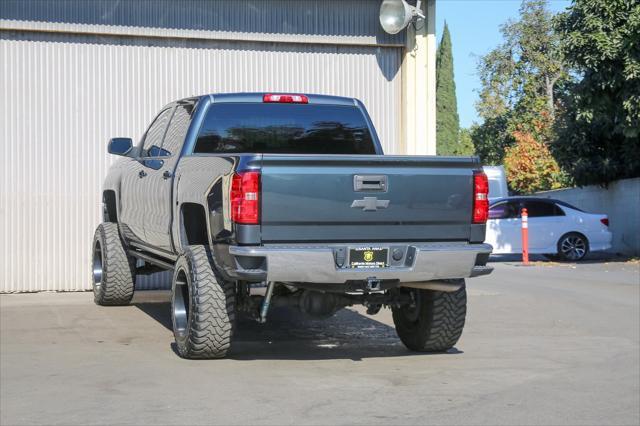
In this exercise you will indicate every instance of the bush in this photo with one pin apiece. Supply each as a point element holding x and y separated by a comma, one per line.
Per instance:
<point>529,165</point>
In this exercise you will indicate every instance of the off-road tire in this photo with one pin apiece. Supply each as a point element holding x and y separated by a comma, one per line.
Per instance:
<point>204,329</point>
<point>113,271</point>
<point>435,322</point>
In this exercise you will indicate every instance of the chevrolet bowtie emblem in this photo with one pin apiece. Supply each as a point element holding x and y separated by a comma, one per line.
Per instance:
<point>370,204</point>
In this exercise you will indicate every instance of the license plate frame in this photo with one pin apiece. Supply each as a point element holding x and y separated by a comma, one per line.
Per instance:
<point>368,257</point>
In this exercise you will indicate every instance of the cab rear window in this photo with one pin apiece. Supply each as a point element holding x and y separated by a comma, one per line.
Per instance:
<point>284,129</point>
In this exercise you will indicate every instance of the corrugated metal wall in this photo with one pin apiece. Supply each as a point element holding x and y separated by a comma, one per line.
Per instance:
<point>64,95</point>
<point>298,20</point>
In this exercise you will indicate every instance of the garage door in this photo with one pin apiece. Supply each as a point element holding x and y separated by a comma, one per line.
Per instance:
<point>65,95</point>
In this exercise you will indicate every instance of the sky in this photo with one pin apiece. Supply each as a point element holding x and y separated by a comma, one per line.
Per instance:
<point>475,30</point>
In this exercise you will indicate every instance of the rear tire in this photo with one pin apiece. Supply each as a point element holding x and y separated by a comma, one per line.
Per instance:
<point>113,271</point>
<point>202,307</point>
<point>435,322</point>
<point>573,247</point>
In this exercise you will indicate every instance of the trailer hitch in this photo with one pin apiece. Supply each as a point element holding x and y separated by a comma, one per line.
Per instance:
<point>373,284</point>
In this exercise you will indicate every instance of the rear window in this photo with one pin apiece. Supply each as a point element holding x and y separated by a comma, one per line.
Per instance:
<point>284,129</point>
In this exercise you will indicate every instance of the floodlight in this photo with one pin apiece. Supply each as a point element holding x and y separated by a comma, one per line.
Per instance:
<point>395,15</point>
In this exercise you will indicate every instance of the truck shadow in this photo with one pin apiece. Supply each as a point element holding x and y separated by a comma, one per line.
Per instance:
<point>291,335</point>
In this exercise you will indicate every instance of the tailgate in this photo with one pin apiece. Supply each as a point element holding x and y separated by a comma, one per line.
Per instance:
<point>342,198</point>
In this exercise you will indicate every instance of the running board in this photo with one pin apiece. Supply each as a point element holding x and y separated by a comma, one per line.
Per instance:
<point>154,260</point>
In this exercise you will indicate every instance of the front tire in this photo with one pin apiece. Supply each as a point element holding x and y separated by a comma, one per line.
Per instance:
<point>113,271</point>
<point>434,322</point>
<point>202,307</point>
<point>573,247</point>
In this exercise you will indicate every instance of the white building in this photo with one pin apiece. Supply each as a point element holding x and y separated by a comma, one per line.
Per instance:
<point>74,73</point>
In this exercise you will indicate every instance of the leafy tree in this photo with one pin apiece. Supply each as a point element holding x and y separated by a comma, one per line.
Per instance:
<point>599,138</point>
<point>447,120</point>
<point>519,82</point>
<point>492,138</point>
<point>525,67</point>
<point>465,144</point>
<point>529,165</point>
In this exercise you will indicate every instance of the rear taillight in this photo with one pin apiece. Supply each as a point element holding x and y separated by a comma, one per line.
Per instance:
<point>245,198</point>
<point>285,99</point>
<point>605,221</point>
<point>480,197</point>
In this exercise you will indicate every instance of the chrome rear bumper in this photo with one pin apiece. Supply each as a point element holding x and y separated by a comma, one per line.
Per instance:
<point>317,263</point>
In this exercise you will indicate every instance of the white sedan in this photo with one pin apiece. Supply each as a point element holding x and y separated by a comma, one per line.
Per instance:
<point>555,228</point>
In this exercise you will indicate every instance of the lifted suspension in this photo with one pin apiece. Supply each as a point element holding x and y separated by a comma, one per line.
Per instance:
<point>316,303</point>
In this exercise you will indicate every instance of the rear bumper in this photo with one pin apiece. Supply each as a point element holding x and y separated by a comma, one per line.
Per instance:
<point>600,241</point>
<point>318,263</point>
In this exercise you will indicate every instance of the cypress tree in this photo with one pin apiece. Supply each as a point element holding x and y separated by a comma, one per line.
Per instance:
<point>447,120</point>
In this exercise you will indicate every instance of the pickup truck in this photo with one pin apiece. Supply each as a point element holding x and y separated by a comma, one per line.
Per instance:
<point>258,200</point>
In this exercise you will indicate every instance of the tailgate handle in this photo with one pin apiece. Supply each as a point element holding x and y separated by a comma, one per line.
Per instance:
<point>370,183</point>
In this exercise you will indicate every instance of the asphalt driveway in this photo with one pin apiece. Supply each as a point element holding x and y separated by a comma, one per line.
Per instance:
<point>546,344</point>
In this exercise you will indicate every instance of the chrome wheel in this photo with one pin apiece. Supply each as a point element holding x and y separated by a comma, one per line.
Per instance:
<point>180,304</point>
<point>573,247</point>
<point>97,267</point>
<point>113,274</point>
<point>202,308</point>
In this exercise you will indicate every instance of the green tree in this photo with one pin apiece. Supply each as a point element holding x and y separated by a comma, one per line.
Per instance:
<point>520,80</point>
<point>447,120</point>
<point>491,138</point>
<point>465,144</point>
<point>599,137</point>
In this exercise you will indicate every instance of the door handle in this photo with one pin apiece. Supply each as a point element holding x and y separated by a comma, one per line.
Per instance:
<point>370,183</point>
<point>142,174</point>
<point>167,174</point>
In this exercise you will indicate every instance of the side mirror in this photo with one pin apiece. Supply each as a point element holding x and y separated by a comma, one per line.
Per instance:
<point>120,146</point>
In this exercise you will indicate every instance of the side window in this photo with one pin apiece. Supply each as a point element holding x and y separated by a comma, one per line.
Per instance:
<point>154,163</point>
<point>558,211</point>
<point>153,136</point>
<point>154,151</point>
<point>540,208</point>
<point>505,210</point>
<point>177,130</point>
<point>499,211</point>
<point>514,209</point>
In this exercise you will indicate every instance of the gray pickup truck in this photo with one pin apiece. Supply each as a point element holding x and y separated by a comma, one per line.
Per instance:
<point>259,200</point>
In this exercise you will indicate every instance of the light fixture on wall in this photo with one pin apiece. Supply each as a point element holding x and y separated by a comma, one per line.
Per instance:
<point>395,15</point>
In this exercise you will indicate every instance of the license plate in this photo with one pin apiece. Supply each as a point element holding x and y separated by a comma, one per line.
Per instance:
<point>369,257</point>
